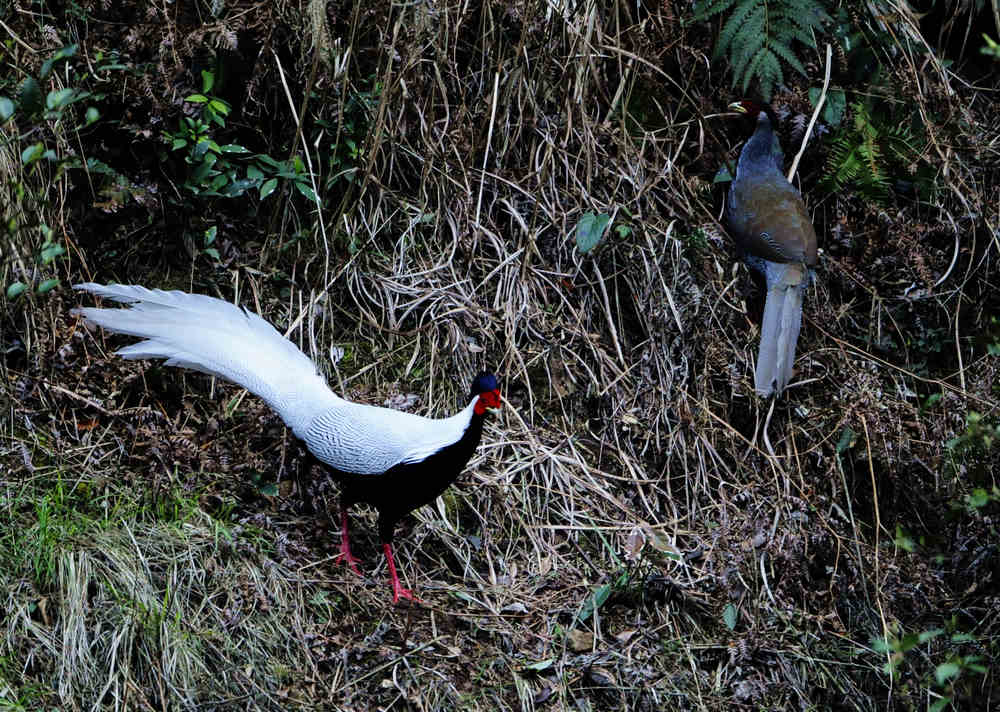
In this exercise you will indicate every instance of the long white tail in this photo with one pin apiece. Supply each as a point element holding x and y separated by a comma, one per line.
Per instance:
<point>216,337</point>
<point>780,327</point>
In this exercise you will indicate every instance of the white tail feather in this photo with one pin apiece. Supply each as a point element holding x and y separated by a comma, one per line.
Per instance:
<point>780,327</point>
<point>212,336</point>
<point>216,337</point>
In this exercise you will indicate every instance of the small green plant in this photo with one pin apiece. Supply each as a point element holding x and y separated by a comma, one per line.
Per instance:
<point>870,153</point>
<point>601,594</point>
<point>53,106</point>
<point>858,45</point>
<point>946,675</point>
<point>590,231</point>
<point>991,48</point>
<point>355,118</point>
<point>228,170</point>
<point>32,109</point>
<point>695,241</point>
<point>981,498</point>
<point>47,254</point>
<point>981,434</point>
<point>758,37</point>
<point>209,239</point>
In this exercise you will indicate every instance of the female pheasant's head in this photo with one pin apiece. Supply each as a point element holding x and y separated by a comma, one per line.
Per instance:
<point>485,386</point>
<point>752,109</point>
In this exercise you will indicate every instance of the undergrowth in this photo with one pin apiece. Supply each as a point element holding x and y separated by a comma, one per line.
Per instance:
<point>524,188</point>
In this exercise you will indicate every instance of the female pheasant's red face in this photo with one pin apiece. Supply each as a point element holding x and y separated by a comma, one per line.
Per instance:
<point>488,401</point>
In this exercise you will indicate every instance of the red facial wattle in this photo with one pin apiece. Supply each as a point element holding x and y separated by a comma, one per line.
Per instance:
<point>488,401</point>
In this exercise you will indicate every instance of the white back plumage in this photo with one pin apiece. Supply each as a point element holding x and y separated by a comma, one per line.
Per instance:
<point>215,337</point>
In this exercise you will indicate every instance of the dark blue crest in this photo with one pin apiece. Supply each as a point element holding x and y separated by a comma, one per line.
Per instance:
<point>483,383</point>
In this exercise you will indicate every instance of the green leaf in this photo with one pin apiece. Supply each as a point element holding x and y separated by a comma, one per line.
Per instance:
<point>268,187</point>
<point>212,252</point>
<point>15,289</point>
<point>50,252</point>
<point>30,96</point>
<point>590,230</point>
<point>64,53</point>
<point>91,116</point>
<point>32,153</point>
<point>730,615</point>
<point>946,671</point>
<point>306,191</point>
<point>722,176</point>
<point>207,80</point>
<point>219,106</point>
<point>204,169</point>
<point>903,540</point>
<point>210,234</point>
<point>239,187</point>
<point>731,30</point>
<point>594,602</point>
<point>847,437</point>
<point>932,400</point>
<point>785,52</point>
<point>463,596</point>
<point>704,10</point>
<point>254,173</point>
<point>233,148</point>
<point>6,108</point>
<point>978,499</point>
<point>47,286</point>
<point>835,106</point>
<point>204,146</point>
<point>930,634</point>
<point>197,99</point>
<point>264,158</point>
<point>539,666</point>
<point>939,704</point>
<point>58,98</point>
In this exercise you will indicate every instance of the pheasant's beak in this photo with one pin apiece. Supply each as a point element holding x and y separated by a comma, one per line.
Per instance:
<point>738,107</point>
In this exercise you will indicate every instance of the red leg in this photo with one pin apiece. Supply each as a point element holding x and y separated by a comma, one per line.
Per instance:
<point>345,545</point>
<point>397,588</point>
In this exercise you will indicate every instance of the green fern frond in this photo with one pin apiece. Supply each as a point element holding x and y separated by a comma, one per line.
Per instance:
<point>768,72</point>
<point>743,20</point>
<point>757,36</point>
<point>742,55</point>
<point>713,7</point>
<point>786,54</point>
<point>869,153</point>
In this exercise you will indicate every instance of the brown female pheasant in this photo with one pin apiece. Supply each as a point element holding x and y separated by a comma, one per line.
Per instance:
<point>770,224</point>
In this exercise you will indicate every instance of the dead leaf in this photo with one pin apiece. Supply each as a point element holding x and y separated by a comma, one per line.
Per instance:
<point>633,546</point>
<point>580,641</point>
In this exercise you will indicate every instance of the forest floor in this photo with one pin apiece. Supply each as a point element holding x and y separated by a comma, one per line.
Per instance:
<point>402,185</point>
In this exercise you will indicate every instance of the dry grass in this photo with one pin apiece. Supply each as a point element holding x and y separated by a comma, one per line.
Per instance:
<point>145,564</point>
